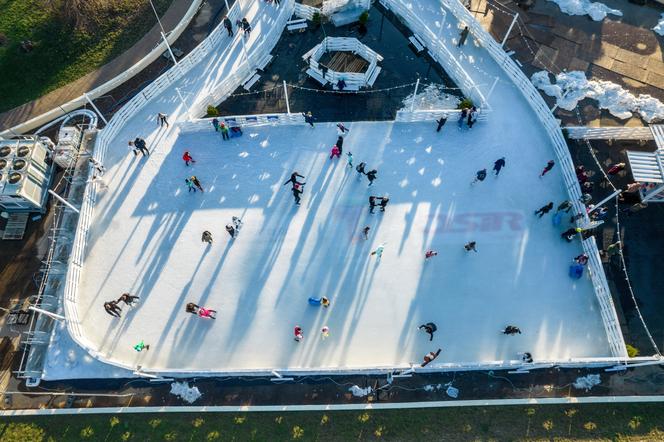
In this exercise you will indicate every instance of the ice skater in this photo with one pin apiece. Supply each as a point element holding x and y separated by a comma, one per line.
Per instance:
<point>441,122</point>
<point>299,333</point>
<point>196,183</point>
<point>224,132</point>
<point>430,254</point>
<point>127,299</point>
<point>360,169</point>
<point>472,117</point>
<point>340,144</point>
<point>228,25</point>
<point>581,259</point>
<point>141,346</point>
<point>547,168</point>
<point>296,194</point>
<point>162,119</point>
<point>383,203</point>
<point>570,233</point>
<point>206,237</point>
<point>112,308</point>
<point>616,168</point>
<point>498,165</point>
<point>365,231</point>
<point>342,130</point>
<point>98,166</point>
<point>463,36</point>
<point>139,145</point>
<point>430,357</point>
<point>544,209</point>
<point>470,246</point>
<point>246,27</point>
<point>190,185</point>
<point>202,312</point>
<point>526,357</point>
<point>186,157</point>
<point>293,179</point>
<point>371,176</point>
<point>322,301</point>
<point>335,152</point>
<point>372,203</point>
<point>512,330</point>
<point>325,332</point>
<point>349,159</point>
<point>231,230</point>
<point>479,176</point>
<point>429,328</point>
<point>215,124</point>
<point>309,118</point>
<point>379,251</point>
<point>237,223</point>
<point>462,117</point>
<point>564,206</point>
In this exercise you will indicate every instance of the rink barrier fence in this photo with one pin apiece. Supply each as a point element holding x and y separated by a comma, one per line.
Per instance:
<point>432,115</point>
<point>305,11</point>
<point>243,121</point>
<point>103,89</point>
<point>565,164</point>
<point>609,133</point>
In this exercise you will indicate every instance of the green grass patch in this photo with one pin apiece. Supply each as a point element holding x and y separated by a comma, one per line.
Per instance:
<point>629,422</point>
<point>63,53</point>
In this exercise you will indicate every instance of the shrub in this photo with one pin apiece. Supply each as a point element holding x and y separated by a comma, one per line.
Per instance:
<point>316,18</point>
<point>212,111</point>
<point>632,352</point>
<point>465,103</point>
<point>364,18</point>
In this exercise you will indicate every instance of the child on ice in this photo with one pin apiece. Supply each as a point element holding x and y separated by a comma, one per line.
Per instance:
<point>335,152</point>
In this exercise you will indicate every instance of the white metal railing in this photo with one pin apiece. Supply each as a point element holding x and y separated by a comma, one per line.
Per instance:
<point>242,121</point>
<point>305,11</point>
<point>111,84</point>
<point>609,133</point>
<point>404,116</point>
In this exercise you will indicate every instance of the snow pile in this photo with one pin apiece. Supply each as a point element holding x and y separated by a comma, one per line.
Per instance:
<point>572,87</point>
<point>432,97</point>
<point>587,382</point>
<point>659,27</point>
<point>186,393</point>
<point>360,392</point>
<point>597,11</point>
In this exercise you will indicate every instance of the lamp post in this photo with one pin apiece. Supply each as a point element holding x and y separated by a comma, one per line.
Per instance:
<point>163,33</point>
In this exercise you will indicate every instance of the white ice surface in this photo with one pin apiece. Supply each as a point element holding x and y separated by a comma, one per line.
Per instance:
<point>572,87</point>
<point>145,239</point>
<point>596,10</point>
<point>659,27</point>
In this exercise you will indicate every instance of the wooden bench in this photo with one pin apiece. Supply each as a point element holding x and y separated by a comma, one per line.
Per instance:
<point>297,25</point>
<point>250,81</point>
<point>417,43</point>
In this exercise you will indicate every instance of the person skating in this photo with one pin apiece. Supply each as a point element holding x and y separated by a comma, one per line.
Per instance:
<point>498,165</point>
<point>565,205</point>
<point>162,119</point>
<point>379,251</point>
<point>323,300</point>
<point>360,168</point>
<point>342,130</point>
<point>479,176</point>
<point>237,223</point>
<point>430,357</point>
<point>97,165</point>
<point>224,131</point>
<point>335,152</point>
<point>430,254</point>
<point>296,194</point>
<point>371,176</point>
<point>527,357</point>
<point>463,36</point>
<point>231,230</point>
<point>429,328</point>
<point>472,117</point>
<point>581,259</point>
<point>372,203</point>
<point>383,203</point>
<point>206,237</point>
<point>141,346</point>
<point>127,299</point>
<point>190,185</point>
<point>365,231</point>
<point>470,246</point>
<point>308,118</point>
<point>299,333</point>
<point>196,183</point>
<point>138,145</point>
<point>325,332</point>
<point>215,124</point>
<point>293,179</point>
<point>462,117</point>
<point>228,25</point>
<point>548,167</point>
<point>570,233</point>
<point>187,158</point>
<point>349,158</point>
<point>246,27</point>
<point>616,168</point>
<point>544,209</point>
<point>512,330</point>
<point>112,308</point>
<point>340,144</point>
<point>202,312</point>
<point>441,122</point>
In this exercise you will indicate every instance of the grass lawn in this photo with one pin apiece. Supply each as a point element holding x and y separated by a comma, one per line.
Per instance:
<point>62,54</point>
<point>630,422</point>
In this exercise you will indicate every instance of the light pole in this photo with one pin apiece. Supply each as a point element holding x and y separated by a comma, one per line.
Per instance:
<point>163,33</point>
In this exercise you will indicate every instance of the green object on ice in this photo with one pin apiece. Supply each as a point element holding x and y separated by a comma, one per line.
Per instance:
<point>140,346</point>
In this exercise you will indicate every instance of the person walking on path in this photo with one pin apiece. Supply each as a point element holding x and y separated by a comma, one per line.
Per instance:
<point>544,209</point>
<point>372,203</point>
<point>224,132</point>
<point>296,194</point>
<point>463,36</point>
<point>512,330</point>
<point>139,144</point>
<point>293,179</point>
<point>430,254</point>
<point>349,158</point>
<point>215,124</point>
<point>616,168</point>
<point>360,169</point>
<point>228,25</point>
<point>379,251</point>
<point>371,176</point>
<point>462,117</point>
<point>112,308</point>
<point>365,231</point>
<point>335,152</point>
<point>565,205</point>
<point>548,167</point>
<point>186,157</point>
<point>429,328</point>
<point>127,299</point>
<point>206,237</point>
<point>196,183</point>
<point>231,230</point>
<point>162,119</point>
<point>479,176</point>
<point>430,357</point>
<point>470,246</point>
<point>498,165</point>
<point>141,346</point>
<point>299,333</point>
<point>308,118</point>
<point>441,122</point>
<point>246,27</point>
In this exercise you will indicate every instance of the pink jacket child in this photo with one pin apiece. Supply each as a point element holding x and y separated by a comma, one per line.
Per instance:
<point>201,311</point>
<point>335,152</point>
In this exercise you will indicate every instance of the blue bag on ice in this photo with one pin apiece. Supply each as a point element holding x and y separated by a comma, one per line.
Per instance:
<point>575,271</point>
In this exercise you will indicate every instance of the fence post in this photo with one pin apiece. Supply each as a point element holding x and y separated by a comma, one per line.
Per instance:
<point>87,97</point>
<point>509,29</point>
<point>184,103</point>
<point>175,60</point>
<point>417,85</point>
<point>493,86</point>
<point>286,95</point>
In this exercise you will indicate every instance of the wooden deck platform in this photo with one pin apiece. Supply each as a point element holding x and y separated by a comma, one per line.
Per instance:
<point>344,62</point>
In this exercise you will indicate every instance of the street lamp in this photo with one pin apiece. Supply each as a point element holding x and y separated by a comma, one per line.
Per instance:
<point>163,33</point>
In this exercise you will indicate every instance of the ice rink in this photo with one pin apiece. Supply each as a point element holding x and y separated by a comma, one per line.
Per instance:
<point>145,239</point>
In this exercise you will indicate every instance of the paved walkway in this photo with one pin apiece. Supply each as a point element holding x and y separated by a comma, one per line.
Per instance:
<point>98,77</point>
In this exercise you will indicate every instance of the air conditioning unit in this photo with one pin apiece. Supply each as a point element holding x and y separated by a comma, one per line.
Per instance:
<point>69,142</point>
